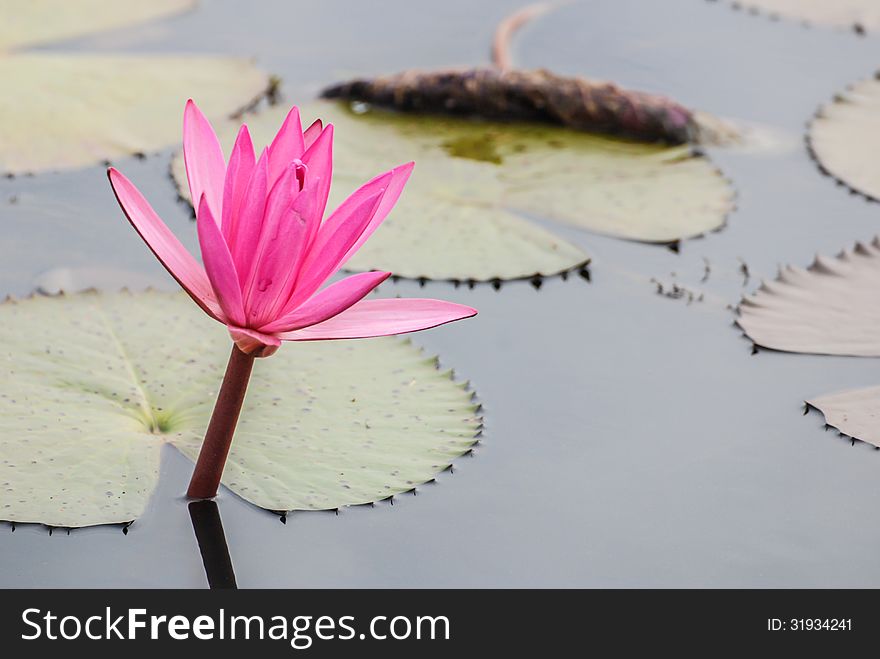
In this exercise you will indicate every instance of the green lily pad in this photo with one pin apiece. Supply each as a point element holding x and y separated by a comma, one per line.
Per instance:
<point>859,15</point>
<point>113,105</point>
<point>463,214</point>
<point>829,308</point>
<point>41,21</point>
<point>844,137</point>
<point>93,384</point>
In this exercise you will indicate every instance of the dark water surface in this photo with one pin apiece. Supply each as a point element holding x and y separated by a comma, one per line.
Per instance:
<point>631,439</point>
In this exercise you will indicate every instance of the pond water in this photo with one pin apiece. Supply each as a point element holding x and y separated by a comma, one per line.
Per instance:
<point>631,439</point>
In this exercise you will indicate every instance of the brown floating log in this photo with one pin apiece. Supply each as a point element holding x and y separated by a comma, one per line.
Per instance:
<point>533,95</point>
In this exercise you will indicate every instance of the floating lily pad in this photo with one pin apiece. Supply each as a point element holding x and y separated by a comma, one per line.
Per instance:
<point>62,110</point>
<point>462,215</point>
<point>830,308</point>
<point>40,21</point>
<point>92,385</point>
<point>845,138</point>
<point>113,106</point>
<point>859,15</point>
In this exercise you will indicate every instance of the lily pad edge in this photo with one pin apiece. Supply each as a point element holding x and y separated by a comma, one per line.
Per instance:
<point>270,93</point>
<point>739,6</point>
<point>814,155</point>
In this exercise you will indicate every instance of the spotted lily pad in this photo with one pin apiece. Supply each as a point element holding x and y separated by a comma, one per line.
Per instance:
<point>845,137</point>
<point>63,110</point>
<point>829,308</point>
<point>92,385</point>
<point>859,15</point>
<point>464,212</point>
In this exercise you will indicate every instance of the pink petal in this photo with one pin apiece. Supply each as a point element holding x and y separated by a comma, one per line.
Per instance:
<point>335,237</point>
<point>280,248</point>
<point>253,342</point>
<point>238,174</point>
<point>399,177</point>
<point>319,159</point>
<point>311,133</point>
<point>370,318</point>
<point>165,245</point>
<point>330,302</point>
<point>287,146</point>
<point>245,232</point>
<point>203,158</point>
<point>219,265</point>
<point>290,264</point>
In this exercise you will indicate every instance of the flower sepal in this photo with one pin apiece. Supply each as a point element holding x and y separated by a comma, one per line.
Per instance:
<point>254,343</point>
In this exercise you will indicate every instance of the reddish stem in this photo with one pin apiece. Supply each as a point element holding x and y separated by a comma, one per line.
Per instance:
<point>215,448</point>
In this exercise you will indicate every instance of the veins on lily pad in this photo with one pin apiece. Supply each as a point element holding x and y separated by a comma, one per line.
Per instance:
<point>829,308</point>
<point>89,396</point>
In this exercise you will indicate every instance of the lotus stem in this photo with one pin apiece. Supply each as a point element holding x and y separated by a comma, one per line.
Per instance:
<point>218,438</point>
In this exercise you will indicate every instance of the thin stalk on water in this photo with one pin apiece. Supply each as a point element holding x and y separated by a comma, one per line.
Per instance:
<point>218,438</point>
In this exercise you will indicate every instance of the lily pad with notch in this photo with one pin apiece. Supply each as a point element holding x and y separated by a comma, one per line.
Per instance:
<point>94,384</point>
<point>465,212</point>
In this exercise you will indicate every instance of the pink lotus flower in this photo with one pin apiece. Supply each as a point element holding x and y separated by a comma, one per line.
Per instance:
<point>267,251</point>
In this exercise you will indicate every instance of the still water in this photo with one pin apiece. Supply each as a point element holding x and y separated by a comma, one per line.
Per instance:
<point>631,439</point>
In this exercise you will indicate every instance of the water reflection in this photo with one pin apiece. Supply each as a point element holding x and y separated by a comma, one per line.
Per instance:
<point>208,527</point>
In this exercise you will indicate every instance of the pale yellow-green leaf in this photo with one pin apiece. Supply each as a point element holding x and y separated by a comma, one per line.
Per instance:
<point>35,22</point>
<point>61,111</point>
<point>463,214</point>
<point>91,385</point>
<point>623,189</point>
